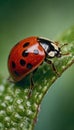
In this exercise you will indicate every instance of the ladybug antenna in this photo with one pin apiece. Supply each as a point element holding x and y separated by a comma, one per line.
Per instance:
<point>64,45</point>
<point>65,54</point>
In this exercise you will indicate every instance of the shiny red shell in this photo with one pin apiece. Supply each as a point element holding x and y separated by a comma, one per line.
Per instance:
<point>25,57</point>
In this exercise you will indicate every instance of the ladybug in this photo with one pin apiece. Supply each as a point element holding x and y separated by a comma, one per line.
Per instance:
<point>28,54</point>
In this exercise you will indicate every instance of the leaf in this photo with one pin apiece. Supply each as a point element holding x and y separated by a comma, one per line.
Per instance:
<point>17,111</point>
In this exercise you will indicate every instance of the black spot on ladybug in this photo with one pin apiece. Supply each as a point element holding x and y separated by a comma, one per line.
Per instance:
<point>22,62</point>
<point>13,64</point>
<point>26,44</point>
<point>16,73</point>
<point>29,66</point>
<point>36,52</point>
<point>25,53</point>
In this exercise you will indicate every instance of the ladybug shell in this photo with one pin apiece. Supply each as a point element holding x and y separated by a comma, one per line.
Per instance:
<point>25,57</point>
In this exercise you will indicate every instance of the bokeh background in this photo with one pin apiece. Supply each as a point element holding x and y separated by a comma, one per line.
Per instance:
<point>48,18</point>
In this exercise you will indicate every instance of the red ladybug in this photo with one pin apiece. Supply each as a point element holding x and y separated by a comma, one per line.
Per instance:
<point>28,54</point>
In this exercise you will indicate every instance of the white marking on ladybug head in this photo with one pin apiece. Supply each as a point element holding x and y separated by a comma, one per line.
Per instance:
<point>55,46</point>
<point>51,54</point>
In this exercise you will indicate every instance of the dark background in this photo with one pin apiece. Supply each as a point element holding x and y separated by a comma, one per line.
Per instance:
<point>48,18</point>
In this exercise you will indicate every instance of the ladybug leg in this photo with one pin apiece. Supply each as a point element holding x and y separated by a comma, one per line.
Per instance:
<point>31,85</point>
<point>31,81</point>
<point>53,67</point>
<point>10,80</point>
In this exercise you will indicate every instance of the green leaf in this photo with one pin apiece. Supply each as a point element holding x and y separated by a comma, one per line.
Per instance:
<point>17,110</point>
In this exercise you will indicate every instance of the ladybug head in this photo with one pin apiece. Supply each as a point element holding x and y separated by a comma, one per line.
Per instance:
<point>54,51</point>
<point>51,48</point>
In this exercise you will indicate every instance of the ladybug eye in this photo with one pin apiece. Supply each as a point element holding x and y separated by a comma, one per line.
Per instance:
<point>59,49</point>
<point>26,44</point>
<point>56,52</point>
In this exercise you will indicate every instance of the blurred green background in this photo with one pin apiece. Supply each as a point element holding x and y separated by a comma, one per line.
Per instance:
<point>48,18</point>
